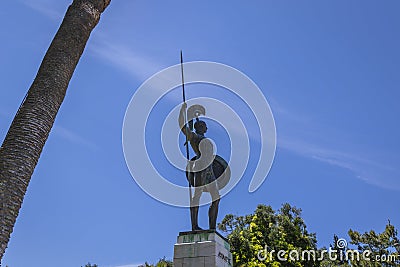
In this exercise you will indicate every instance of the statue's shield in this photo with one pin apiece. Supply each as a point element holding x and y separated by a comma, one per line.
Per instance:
<point>220,168</point>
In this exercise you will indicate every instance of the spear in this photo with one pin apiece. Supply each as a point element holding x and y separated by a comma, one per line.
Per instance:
<point>186,134</point>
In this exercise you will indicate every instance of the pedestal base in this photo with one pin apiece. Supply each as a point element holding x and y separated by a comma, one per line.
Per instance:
<point>205,248</point>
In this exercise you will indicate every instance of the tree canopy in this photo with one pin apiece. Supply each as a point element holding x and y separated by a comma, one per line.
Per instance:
<point>268,238</point>
<point>267,231</point>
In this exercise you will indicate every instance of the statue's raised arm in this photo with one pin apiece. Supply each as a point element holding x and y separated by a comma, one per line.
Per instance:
<point>183,125</point>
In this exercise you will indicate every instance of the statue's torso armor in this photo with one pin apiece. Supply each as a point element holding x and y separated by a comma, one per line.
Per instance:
<point>205,176</point>
<point>195,143</point>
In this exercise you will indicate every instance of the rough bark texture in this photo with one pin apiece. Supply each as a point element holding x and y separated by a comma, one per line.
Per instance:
<point>31,126</point>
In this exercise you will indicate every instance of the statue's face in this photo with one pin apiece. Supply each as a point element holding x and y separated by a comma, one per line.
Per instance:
<point>201,127</point>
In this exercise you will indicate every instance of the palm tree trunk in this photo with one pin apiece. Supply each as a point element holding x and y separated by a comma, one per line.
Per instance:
<point>31,126</point>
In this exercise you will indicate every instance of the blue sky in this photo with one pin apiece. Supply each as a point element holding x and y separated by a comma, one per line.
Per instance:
<point>329,70</point>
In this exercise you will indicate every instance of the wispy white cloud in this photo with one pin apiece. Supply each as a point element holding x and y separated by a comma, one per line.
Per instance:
<point>45,7</point>
<point>73,137</point>
<point>364,168</point>
<point>125,58</point>
<point>342,154</point>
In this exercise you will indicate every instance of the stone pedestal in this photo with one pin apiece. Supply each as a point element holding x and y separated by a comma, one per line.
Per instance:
<point>206,248</point>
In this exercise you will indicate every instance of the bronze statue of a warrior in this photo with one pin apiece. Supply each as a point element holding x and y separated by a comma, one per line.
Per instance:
<point>206,172</point>
<point>201,175</point>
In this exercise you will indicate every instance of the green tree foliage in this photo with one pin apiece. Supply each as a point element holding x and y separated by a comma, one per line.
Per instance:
<point>265,228</point>
<point>371,250</point>
<point>161,263</point>
<point>384,247</point>
<point>338,258</point>
<point>284,230</point>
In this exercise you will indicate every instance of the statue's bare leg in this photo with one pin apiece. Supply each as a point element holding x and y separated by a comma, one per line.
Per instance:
<point>213,210</point>
<point>194,209</point>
